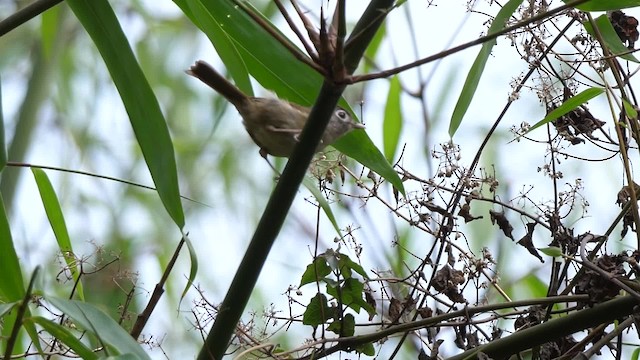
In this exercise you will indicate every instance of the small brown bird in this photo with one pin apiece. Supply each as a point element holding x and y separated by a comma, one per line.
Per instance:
<point>273,124</point>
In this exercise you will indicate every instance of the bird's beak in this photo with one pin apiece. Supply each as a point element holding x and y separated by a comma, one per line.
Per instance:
<point>357,125</point>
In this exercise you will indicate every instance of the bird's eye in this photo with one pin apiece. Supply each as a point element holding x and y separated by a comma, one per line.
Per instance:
<point>342,115</point>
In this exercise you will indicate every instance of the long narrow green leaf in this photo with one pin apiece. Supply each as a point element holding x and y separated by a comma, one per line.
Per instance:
<point>392,125</point>
<point>610,37</point>
<point>63,335</point>
<point>145,115</point>
<point>12,291</point>
<point>193,270</point>
<point>473,78</point>
<point>225,47</point>
<point>569,105</point>
<point>6,307</point>
<point>95,321</point>
<point>49,30</point>
<point>15,321</point>
<point>240,40</point>
<point>58,225</point>
<point>629,108</point>
<point>309,183</point>
<point>374,46</point>
<point>604,5</point>
<point>3,147</point>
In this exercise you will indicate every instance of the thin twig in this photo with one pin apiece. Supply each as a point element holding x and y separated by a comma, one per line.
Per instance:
<point>615,70</point>
<point>143,317</point>
<point>279,37</point>
<point>587,262</point>
<point>25,14</point>
<point>353,341</point>
<point>604,340</point>
<point>310,50</point>
<point>99,176</point>
<point>21,311</point>
<point>314,36</point>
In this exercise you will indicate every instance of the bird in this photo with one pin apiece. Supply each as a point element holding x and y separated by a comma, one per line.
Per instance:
<point>273,124</point>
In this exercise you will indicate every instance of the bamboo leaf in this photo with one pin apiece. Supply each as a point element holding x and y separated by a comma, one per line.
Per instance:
<point>569,105</point>
<point>62,334</point>
<point>12,285</point>
<point>604,5</point>
<point>473,78</point>
<point>392,125</point>
<point>145,115</point>
<point>610,37</point>
<point>3,147</point>
<point>58,225</point>
<point>96,322</point>
<point>245,47</point>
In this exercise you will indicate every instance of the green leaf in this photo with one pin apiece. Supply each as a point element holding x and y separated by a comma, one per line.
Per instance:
<point>392,125</point>
<point>332,258</point>
<point>318,311</point>
<point>145,115</point>
<point>193,271</point>
<point>49,30</point>
<point>552,251</point>
<point>610,37</point>
<point>63,335</point>
<point>58,225</point>
<point>372,50</point>
<point>12,284</point>
<point>11,318</point>
<point>245,47</point>
<point>6,307</point>
<point>315,271</point>
<point>473,78</point>
<point>629,109</point>
<point>3,147</point>
<point>366,349</point>
<point>604,5</point>
<point>568,106</point>
<point>344,327</point>
<point>530,284</point>
<point>95,321</point>
<point>350,291</point>
<point>351,295</point>
<point>347,263</point>
<point>311,185</point>
<point>123,357</point>
<point>226,48</point>
<point>357,145</point>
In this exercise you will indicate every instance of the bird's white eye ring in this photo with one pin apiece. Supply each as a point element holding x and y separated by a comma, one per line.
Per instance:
<point>343,115</point>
